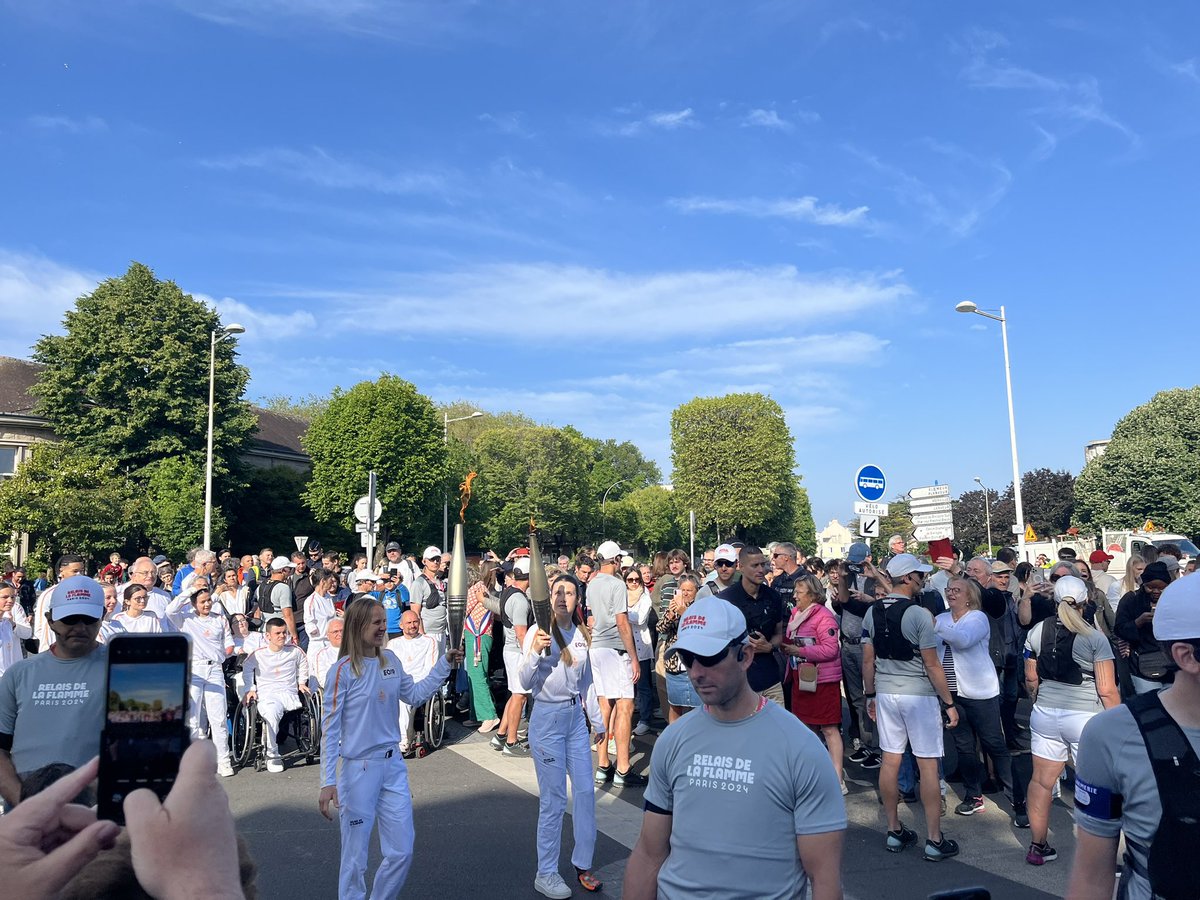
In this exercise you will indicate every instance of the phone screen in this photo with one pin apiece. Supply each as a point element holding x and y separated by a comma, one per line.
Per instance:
<point>145,729</point>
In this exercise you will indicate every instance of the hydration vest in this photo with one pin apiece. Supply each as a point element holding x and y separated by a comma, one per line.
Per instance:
<point>1173,866</point>
<point>1055,660</point>
<point>508,591</point>
<point>889,640</point>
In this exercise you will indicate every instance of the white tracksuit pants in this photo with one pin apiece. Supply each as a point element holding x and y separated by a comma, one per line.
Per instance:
<point>271,708</point>
<point>370,789</point>
<point>558,737</point>
<point>408,731</point>
<point>206,701</point>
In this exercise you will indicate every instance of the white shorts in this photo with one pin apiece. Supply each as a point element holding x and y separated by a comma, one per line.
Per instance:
<point>512,660</point>
<point>611,673</point>
<point>909,720</point>
<point>1054,732</point>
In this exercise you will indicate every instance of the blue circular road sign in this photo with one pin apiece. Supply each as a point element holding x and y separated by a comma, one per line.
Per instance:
<point>870,483</point>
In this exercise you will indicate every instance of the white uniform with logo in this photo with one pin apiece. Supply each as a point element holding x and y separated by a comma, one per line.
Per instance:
<point>361,729</point>
<point>146,623</point>
<point>211,642</point>
<point>417,656</point>
<point>320,662</point>
<point>277,676</point>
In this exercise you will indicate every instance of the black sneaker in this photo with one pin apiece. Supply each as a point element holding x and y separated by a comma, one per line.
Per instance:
<point>1040,854</point>
<point>628,779</point>
<point>872,761</point>
<point>969,807</point>
<point>605,773</point>
<point>861,755</point>
<point>1020,816</point>
<point>936,851</point>
<point>900,840</point>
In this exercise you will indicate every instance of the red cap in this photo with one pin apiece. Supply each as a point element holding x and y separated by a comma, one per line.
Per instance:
<point>1099,556</point>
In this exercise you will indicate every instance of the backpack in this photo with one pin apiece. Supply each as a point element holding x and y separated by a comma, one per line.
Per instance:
<point>1055,661</point>
<point>266,597</point>
<point>888,639</point>
<point>504,619</point>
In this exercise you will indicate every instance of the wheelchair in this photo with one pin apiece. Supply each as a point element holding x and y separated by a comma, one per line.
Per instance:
<point>430,719</point>
<point>299,734</point>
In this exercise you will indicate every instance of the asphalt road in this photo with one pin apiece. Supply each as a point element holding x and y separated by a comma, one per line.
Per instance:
<point>476,814</point>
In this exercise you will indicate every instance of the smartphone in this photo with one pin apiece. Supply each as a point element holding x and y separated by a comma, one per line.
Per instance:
<point>970,893</point>
<point>145,726</point>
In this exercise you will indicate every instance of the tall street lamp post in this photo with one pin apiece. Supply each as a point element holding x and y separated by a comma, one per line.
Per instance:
<point>987,509</point>
<point>604,509</point>
<point>966,306</point>
<point>216,335</point>
<point>446,421</point>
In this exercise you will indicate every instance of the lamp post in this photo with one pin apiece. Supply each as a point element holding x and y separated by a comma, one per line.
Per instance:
<point>966,306</point>
<point>217,334</point>
<point>987,508</point>
<point>446,420</point>
<point>603,511</point>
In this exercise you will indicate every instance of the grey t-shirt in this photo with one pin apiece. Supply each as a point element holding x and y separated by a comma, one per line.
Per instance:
<point>54,709</point>
<point>606,596</point>
<point>1113,763</point>
<point>1088,649</point>
<point>433,604</point>
<point>894,676</point>
<point>766,779</point>
<point>516,610</point>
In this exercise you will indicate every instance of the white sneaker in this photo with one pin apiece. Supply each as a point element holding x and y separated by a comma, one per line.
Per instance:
<point>225,769</point>
<point>552,886</point>
<point>275,765</point>
<point>641,728</point>
<point>845,790</point>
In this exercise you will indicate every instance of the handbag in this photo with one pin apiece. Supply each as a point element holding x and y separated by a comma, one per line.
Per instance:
<point>1151,665</point>
<point>806,677</point>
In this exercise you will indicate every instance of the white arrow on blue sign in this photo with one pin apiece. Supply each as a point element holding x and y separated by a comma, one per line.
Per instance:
<point>870,483</point>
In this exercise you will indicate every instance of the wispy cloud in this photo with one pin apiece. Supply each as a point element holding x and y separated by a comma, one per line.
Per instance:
<point>1189,69</point>
<point>317,166</point>
<point>261,325</point>
<point>69,125</point>
<point>797,209</point>
<point>407,21</point>
<point>34,294</point>
<point>507,123</point>
<point>858,25</point>
<point>766,118</point>
<point>663,120</point>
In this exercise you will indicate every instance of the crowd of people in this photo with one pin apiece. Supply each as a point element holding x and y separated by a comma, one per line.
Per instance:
<point>769,675</point>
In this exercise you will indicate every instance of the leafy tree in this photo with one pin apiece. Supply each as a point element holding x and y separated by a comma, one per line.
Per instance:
<point>467,429</point>
<point>1049,501</point>
<point>307,407</point>
<point>619,466</point>
<point>970,522</point>
<point>804,528</point>
<point>173,508</point>
<point>70,501</point>
<point>270,512</point>
<point>128,381</point>
<point>387,426</point>
<point>1148,470</point>
<point>655,520</point>
<point>732,458</point>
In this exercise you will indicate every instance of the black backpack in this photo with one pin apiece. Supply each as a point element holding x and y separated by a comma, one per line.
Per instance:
<point>504,619</point>
<point>888,638</point>
<point>1055,661</point>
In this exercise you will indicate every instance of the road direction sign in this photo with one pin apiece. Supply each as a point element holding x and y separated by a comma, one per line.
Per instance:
<point>301,540</point>
<point>361,527</point>
<point>933,504</point>
<point>368,539</point>
<point>862,508</point>
<point>934,490</point>
<point>870,483</point>
<point>361,508</point>
<point>934,532</point>
<point>933,518</point>
<point>868,526</point>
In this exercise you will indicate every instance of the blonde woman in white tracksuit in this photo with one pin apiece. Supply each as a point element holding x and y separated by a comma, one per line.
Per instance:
<point>561,685</point>
<point>363,691</point>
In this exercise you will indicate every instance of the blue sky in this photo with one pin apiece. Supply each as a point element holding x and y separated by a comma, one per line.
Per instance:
<point>594,212</point>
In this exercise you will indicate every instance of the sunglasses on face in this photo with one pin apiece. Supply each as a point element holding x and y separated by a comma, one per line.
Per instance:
<point>687,657</point>
<point>724,562</point>
<point>633,581</point>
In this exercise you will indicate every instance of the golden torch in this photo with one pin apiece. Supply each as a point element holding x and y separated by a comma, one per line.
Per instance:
<point>539,587</point>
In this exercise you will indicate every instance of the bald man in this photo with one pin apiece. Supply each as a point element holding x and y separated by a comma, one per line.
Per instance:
<point>417,653</point>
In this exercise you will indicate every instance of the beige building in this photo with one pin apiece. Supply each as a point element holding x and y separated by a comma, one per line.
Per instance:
<point>833,542</point>
<point>276,443</point>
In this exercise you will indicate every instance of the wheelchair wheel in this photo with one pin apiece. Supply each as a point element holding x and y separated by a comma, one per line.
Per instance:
<point>308,728</point>
<point>435,720</point>
<point>243,735</point>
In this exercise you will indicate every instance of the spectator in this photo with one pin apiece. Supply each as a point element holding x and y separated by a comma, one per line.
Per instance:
<point>1135,625</point>
<point>69,566</point>
<point>477,631</point>
<point>763,609</point>
<point>640,612</point>
<point>681,696</point>
<point>417,654</point>
<point>12,632</point>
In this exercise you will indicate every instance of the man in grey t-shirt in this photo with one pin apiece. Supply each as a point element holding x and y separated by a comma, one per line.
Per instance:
<point>427,596</point>
<point>743,801</point>
<point>52,704</point>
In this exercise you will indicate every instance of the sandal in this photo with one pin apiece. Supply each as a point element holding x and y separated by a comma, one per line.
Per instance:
<point>587,880</point>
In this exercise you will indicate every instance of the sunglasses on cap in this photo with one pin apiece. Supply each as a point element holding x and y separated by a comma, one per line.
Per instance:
<point>687,657</point>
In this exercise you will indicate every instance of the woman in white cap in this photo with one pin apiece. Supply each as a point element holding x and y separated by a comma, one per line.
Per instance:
<point>556,671</point>
<point>1069,673</point>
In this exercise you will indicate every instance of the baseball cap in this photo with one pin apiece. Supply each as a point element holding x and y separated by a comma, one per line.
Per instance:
<point>78,595</point>
<point>858,553</point>
<point>279,563</point>
<point>361,578</point>
<point>1001,568</point>
<point>1177,615</point>
<point>1072,589</point>
<point>708,626</point>
<point>726,552</point>
<point>1170,562</point>
<point>431,552</point>
<point>392,545</point>
<point>521,566</point>
<point>159,560</point>
<point>626,561</point>
<point>1098,556</point>
<point>610,550</point>
<point>905,564</point>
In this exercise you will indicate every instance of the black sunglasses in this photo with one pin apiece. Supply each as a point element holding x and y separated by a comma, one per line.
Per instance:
<point>633,581</point>
<point>725,562</point>
<point>687,657</point>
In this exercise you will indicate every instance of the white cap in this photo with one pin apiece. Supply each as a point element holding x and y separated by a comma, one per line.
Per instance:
<point>431,552</point>
<point>279,563</point>
<point>904,564</point>
<point>521,565</point>
<point>77,596</point>
<point>708,626</point>
<point>363,577</point>
<point>1177,613</point>
<point>727,552</point>
<point>626,561</point>
<point>1071,589</point>
<point>609,550</point>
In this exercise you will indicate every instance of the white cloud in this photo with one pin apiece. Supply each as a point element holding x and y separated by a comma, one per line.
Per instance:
<point>672,120</point>
<point>669,120</point>
<point>798,209</point>
<point>1189,69</point>
<point>260,325</point>
<point>507,123</point>
<point>34,294</point>
<point>316,166</point>
<point>766,118</point>
<point>69,125</point>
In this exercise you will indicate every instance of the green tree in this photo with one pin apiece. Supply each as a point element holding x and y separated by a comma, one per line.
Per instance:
<point>1148,470</point>
<point>173,507</point>
<point>804,528</point>
<point>387,426</point>
<point>128,381</point>
<point>70,501</point>
<point>270,512</point>
<point>1048,498</point>
<point>619,466</point>
<point>655,520</point>
<point>306,408</point>
<point>733,459</point>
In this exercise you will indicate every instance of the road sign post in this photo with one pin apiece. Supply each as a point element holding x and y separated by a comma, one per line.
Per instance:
<point>932,512</point>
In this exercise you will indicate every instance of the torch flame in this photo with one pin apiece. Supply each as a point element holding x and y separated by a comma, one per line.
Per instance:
<point>464,494</point>
<point>532,525</point>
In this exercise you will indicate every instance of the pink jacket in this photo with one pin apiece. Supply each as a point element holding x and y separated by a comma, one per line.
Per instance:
<point>816,630</point>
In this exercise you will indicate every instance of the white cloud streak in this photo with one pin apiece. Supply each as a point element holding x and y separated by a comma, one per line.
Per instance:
<point>34,294</point>
<point>323,169</point>
<point>766,118</point>
<point>69,125</point>
<point>797,209</point>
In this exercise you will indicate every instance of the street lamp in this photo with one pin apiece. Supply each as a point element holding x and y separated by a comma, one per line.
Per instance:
<point>603,501</point>
<point>446,420</point>
<point>966,306</point>
<point>217,333</point>
<point>987,507</point>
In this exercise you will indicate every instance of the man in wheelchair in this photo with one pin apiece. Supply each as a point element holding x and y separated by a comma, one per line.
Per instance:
<point>276,675</point>
<point>417,654</point>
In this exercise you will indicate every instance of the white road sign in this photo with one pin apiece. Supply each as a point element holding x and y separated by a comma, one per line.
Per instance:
<point>932,504</point>
<point>361,509</point>
<point>933,518</point>
<point>301,540</point>
<point>935,490</point>
<point>933,532</point>
<point>863,508</point>
<point>361,527</point>
<point>368,539</point>
<point>868,526</point>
